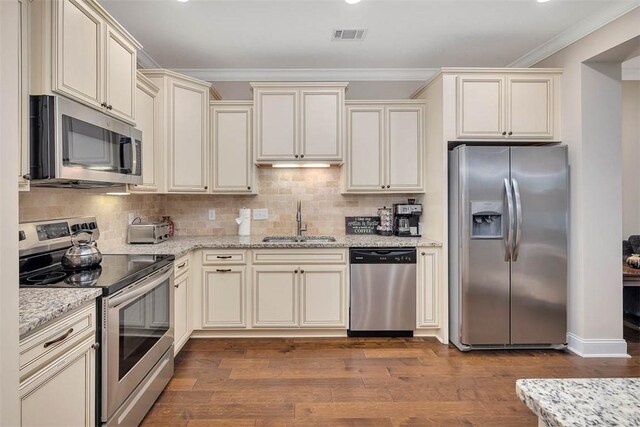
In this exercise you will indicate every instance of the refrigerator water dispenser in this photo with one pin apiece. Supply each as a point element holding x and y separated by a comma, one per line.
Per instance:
<point>486,220</point>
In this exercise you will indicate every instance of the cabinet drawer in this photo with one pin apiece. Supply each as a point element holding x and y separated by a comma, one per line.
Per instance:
<point>223,257</point>
<point>302,256</point>
<point>181,266</point>
<point>57,338</point>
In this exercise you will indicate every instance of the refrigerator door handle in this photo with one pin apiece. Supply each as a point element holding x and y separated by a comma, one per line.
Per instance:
<point>518,237</point>
<point>508,244</point>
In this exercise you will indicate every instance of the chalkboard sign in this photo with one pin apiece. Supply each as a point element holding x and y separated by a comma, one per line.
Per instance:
<point>361,224</point>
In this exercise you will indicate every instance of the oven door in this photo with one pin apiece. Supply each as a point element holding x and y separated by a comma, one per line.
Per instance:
<point>137,333</point>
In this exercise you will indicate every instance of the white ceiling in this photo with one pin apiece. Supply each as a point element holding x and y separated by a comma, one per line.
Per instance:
<point>244,40</point>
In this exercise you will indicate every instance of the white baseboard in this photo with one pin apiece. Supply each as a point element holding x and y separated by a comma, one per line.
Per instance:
<point>587,347</point>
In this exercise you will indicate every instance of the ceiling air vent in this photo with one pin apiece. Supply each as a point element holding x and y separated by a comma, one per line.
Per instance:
<point>349,35</point>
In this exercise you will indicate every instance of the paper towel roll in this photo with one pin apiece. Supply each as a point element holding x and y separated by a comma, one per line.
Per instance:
<point>244,222</point>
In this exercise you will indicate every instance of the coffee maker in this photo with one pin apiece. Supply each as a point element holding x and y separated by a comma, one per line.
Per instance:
<point>406,217</point>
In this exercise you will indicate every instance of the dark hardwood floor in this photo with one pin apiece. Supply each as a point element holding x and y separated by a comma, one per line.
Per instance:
<point>360,382</point>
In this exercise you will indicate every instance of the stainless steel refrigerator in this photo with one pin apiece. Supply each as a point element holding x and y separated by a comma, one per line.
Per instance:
<point>508,210</point>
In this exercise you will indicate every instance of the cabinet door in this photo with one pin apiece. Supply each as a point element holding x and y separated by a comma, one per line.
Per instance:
<point>365,149</point>
<point>404,151</point>
<point>120,75</point>
<point>323,296</point>
<point>530,107</point>
<point>276,124</point>
<point>79,52</point>
<point>188,142</point>
<point>23,91</point>
<point>62,394</point>
<point>224,297</point>
<point>232,139</point>
<point>181,311</point>
<point>428,279</point>
<point>480,107</point>
<point>321,125</point>
<point>275,296</point>
<point>146,113</point>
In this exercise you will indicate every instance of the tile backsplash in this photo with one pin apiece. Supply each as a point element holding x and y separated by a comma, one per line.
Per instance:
<point>323,206</point>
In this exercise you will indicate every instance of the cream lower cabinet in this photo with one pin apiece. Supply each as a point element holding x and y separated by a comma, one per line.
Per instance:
<point>323,296</point>
<point>58,373</point>
<point>275,296</point>
<point>224,298</point>
<point>428,297</point>
<point>181,319</point>
<point>508,106</point>
<point>384,147</point>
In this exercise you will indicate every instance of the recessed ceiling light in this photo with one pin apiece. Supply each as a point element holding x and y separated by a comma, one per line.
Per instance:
<point>352,1</point>
<point>183,1</point>
<point>542,1</point>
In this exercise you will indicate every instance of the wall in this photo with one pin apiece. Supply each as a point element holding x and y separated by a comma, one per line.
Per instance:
<point>588,113</point>
<point>323,207</point>
<point>110,211</point>
<point>9,129</point>
<point>630,158</point>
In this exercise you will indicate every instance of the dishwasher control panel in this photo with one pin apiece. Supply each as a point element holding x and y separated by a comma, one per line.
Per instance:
<point>383,256</point>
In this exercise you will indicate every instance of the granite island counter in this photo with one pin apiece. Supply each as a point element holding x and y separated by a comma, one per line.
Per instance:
<point>583,401</point>
<point>181,245</point>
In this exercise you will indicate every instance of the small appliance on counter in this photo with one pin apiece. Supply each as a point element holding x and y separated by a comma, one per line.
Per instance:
<point>407,219</point>
<point>386,221</point>
<point>151,232</point>
<point>244,222</point>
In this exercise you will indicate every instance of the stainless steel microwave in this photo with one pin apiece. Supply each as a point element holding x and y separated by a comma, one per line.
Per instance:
<point>72,145</point>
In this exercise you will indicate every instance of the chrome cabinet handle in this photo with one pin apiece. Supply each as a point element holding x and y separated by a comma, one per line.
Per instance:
<point>223,270</point>
<point>59,339</point>
<point>507,241</point>
<point>518,237</point>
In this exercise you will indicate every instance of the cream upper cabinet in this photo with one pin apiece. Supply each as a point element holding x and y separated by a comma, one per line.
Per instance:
<point>385,147</point>
<point>147,121</point>
<point>120,76</point>
<point>365,148</point>
<point>508,106</point>
<point>232,141</point>
<point>298,122</point>
<point>428,298</point>
<point>22,52</point>
<point>181,138</point>
<point>92,58</point>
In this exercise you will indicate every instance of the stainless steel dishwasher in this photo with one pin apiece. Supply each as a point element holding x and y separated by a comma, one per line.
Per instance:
<point>383,292</point>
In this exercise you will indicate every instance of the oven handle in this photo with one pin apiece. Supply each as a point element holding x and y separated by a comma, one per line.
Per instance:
<point>139,290</point>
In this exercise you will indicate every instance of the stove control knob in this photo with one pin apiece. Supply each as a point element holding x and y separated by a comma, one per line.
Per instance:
<point>74,228</point>
<point>92,226</point>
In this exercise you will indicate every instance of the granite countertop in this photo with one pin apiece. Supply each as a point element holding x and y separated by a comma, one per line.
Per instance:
<point>584,401</point>
<point>39,306</point>
<point>181,245</point>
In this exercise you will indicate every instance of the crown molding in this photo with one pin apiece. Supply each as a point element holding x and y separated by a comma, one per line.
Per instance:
<point>324,74</point>
<point>573,34</point>
<point>630,73</point>
<point>146,61</point>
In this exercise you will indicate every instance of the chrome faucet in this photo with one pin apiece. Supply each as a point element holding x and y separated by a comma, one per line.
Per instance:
<point>300,227</point>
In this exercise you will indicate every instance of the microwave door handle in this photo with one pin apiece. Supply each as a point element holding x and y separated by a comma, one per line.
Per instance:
<point>134,156</point>
<point>124,141</point>
<point>137,291</point>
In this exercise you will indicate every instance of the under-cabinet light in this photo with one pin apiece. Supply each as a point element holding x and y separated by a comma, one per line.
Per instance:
<point>301,165</point>
<point>118,193</point>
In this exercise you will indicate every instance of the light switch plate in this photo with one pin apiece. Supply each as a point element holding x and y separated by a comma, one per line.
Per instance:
<point>212,214</point>
<point>260,214</point>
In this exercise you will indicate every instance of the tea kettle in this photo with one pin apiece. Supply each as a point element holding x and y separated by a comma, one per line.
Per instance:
<point>82,253</point>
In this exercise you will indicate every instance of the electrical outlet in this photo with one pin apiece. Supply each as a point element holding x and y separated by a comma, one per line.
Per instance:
<point>131,217</point>
<point>212,214</point>
<point>260,214</point>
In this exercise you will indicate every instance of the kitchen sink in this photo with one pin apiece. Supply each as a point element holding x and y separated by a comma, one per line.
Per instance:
<point>303,239</point>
